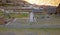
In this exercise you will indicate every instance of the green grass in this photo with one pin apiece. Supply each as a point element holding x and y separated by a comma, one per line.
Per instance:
<point>45,29</point>
<point>1,13</point>
<point>39,31</point>
<point>19,15</point>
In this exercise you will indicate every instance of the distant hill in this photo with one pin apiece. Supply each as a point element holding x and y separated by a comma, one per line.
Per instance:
<point>18,5</point>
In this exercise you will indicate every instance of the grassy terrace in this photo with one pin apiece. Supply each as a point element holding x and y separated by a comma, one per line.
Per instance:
<point>19,15</point>
<point>24,15</point>
<point>54,19</point>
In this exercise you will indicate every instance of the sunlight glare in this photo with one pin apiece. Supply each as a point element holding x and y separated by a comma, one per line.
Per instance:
<point>44,2</point>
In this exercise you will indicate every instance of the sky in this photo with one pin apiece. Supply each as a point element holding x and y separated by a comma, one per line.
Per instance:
<point>44,2</point>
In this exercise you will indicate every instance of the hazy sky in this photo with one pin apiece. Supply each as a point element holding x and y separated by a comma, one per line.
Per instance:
<point>44,2</point>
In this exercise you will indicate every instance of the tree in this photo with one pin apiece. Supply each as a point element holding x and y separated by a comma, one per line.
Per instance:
<point>58,9</point>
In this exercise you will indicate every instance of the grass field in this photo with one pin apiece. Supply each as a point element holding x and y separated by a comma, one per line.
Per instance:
<point>30,31</point>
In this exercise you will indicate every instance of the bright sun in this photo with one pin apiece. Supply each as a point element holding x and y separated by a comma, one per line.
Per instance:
<point>44,2</point>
